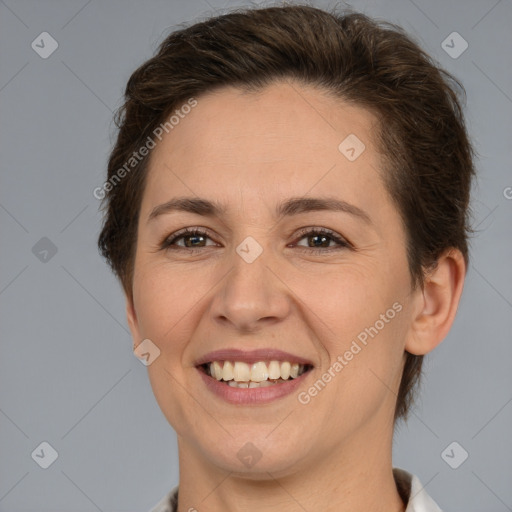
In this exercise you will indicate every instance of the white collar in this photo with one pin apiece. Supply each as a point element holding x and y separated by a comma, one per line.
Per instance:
<point>414,492</point>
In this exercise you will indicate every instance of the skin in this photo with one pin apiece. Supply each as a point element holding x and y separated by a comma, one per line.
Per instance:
<point>251,152</point>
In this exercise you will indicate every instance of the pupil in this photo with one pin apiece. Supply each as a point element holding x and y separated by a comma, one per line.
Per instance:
<point>194,237</point>
<point>323,239</point>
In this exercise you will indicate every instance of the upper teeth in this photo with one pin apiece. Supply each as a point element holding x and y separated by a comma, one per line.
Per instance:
<point>256,372</point>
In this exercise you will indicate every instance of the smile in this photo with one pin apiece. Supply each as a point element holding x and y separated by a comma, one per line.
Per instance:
<point>253,383</point>
<point>239,374</point>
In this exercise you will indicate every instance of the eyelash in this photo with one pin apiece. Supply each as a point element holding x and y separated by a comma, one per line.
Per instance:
<point>169,241</point>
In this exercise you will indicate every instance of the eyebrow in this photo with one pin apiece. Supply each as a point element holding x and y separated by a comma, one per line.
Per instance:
<point>292,206</point>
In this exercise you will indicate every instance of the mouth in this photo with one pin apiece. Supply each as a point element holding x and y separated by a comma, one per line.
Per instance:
<point>260,374</point>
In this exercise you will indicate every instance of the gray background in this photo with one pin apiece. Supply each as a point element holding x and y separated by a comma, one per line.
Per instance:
<point>67,372</point>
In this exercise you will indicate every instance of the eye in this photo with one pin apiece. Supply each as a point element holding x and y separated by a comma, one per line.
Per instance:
<point>192,238</point>
<point>320,239</point>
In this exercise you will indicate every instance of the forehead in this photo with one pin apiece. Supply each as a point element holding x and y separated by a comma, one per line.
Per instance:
<point>283,140</point>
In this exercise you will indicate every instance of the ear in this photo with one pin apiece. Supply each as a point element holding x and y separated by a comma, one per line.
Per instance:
<point>436,304</point>
<point>133,323</point>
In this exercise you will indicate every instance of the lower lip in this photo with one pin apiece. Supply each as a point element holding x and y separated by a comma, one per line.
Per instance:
<point>251,396</point>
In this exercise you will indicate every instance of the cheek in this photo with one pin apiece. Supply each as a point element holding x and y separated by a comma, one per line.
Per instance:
<point>167,315</point>
<point>358,317</point>
<point>163,304</point>
<point>347,298</point>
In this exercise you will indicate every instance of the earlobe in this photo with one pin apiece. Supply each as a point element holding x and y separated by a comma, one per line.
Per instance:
<point>437,303</point>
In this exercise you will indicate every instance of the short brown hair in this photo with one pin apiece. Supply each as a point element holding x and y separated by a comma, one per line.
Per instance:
<point>427,158</point>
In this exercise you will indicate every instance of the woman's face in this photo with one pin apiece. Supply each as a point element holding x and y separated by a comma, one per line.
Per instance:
<point>329,286</point>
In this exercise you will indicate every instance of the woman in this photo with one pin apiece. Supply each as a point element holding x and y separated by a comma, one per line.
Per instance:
<point>286,209</point>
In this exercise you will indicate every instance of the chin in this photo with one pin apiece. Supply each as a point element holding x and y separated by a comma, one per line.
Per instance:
<point>254,457</point>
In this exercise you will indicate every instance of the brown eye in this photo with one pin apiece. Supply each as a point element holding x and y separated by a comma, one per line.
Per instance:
<point>192,239</point>
<point>322,240</point>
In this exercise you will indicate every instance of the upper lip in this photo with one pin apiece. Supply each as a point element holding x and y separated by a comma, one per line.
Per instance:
<point>251,356</point>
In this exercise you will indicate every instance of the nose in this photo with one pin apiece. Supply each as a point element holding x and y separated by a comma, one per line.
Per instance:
<point>251,296</point>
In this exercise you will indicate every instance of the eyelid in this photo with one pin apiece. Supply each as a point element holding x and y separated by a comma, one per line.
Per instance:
<point>341,241</point>
<point>191,230</point>
<point>313,230</point>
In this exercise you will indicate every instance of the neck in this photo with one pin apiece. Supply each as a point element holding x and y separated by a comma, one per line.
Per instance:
<point>355,477</point>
